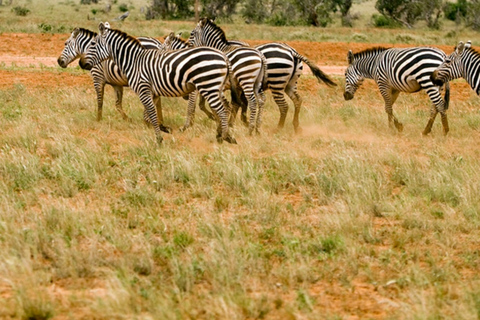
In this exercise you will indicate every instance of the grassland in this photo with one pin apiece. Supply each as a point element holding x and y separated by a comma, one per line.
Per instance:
<point>347,220</point>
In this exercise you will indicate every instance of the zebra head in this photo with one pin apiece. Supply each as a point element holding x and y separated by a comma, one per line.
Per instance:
<point>98,50</point>
<point>208,34</point>
<point>450,68</point>
<point>175,42</point>
<point>75,46</point>
<point>353,78</point>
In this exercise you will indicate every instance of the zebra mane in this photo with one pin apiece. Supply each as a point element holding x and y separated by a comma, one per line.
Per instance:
<point>88,33</point>
<point>369,51</point>
<point>126,36</point>
<point>209,23</point>
<point>182,41</point>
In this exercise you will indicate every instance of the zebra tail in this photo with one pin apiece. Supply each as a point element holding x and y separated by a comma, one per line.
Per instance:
<point>233,86</point>
<point>321,76</point>
<point>264,70</point>
<point>447,95</point>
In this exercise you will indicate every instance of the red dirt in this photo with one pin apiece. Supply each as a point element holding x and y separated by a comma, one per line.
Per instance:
<point>37,50</point>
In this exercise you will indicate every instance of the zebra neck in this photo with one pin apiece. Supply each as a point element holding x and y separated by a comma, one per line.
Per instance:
<point>468,69</point>
<point>124,55</point>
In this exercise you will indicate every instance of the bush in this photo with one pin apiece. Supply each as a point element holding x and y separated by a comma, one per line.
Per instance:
<point>21,11</point>
<point>123,7</point>
<point>381,21</point>
<point>454,11</point>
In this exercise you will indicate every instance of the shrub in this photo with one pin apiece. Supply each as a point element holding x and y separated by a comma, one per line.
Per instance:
<point>123,7</point>
<point>381,21</point>
<point>21,11</point>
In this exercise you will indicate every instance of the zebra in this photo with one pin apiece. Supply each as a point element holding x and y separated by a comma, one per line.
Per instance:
<point>153,73</point>
<point>175,42</point>
<point>284,67</point>
<point>399,70</point>
<point>105,73</point>
<point>248,67</point>
<point>464,62</point>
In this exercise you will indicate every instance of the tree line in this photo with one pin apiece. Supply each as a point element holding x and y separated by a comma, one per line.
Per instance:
<point>321,13</point>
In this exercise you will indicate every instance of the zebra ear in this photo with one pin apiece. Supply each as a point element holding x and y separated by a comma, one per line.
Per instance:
<point>468,44</point>
<point>107,25</point>
<point>350,57</point>
<point>75,32</point>
<point>179,35</point>
<point>102,27</point>
<point>460,47</point>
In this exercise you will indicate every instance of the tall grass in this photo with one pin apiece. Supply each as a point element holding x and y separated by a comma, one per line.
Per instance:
<point>347,219</point>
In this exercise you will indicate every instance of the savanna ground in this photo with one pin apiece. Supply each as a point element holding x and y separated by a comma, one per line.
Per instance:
<point>347,220</point>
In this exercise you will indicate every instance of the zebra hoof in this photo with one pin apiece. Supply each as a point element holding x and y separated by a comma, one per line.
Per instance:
<point>159,140</point>
<point>399,127</point>
<point>165,129</point>
<point>219,138</point>
<point>231,140</point>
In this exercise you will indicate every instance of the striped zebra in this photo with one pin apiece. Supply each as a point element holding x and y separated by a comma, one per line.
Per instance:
<point>248,68</point>
<point>154,73</point>
<point>284,67</point>
<point>106,72</point>
<point>399,70</point>
<point>464,62</point>
<point>175,42</point>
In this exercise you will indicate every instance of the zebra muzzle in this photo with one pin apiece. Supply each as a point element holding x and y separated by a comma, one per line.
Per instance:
<point>434,78</point>
<point>347,95</point>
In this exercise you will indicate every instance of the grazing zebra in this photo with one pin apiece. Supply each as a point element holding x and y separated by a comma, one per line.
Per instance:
<point>248,67</point>
<point>153,73</point>
<point>284,67</point>
<point>105,73</point>
<point>464,62</point>
<point>399,70</point>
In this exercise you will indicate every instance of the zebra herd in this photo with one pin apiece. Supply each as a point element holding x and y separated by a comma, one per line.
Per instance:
<point>207,64</point>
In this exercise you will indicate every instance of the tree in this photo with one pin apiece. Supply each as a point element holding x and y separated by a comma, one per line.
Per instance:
<point>344,8</point>
<point>315,12</point>
<point>170,9</point>
<point>218,8</point>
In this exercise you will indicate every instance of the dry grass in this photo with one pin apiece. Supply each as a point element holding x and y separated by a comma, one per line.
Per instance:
<point>347,220</point>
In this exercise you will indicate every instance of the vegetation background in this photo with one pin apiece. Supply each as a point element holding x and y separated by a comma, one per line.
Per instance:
<point>347,220</point>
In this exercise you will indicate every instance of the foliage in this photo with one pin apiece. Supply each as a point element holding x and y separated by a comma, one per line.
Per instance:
<point>21,11</point>
<point>88,1</point>
<point>382,21</point>
<point>408,12</point>
<point>457,10</point>
<point>218,8</point>
<point>175,9</point>
<point>314,12</point>
<point>473,15</point>
<point>123,7</point>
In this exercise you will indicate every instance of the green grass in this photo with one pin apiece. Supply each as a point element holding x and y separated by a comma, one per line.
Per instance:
<point>96,219</point>
<point>348,219</point>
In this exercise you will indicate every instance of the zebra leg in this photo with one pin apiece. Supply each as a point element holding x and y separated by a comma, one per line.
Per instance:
<point>282,106</point>
<point>252,105</point>
<point>297,102</point>
<point>192,98</point>
<point>118,101</point>
<point>433,115</point>
<point>145,95</point>
<point>444,122</point>
<point>158,107</point>
<point>390,96</point>
<point>100,89</point>
<point>218,106</point>
<point>201,103</point>
<point>261,103</point>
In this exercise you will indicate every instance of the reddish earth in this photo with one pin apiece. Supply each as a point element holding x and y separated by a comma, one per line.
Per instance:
<point>36,50</point>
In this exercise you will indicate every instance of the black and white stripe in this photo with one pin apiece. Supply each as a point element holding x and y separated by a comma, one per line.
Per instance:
<point>104,73</point>
<point>463,62</point>
<point>153,73</point>
<point>248,67</point>
<point>284,67</point>
<point>399,70</point>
